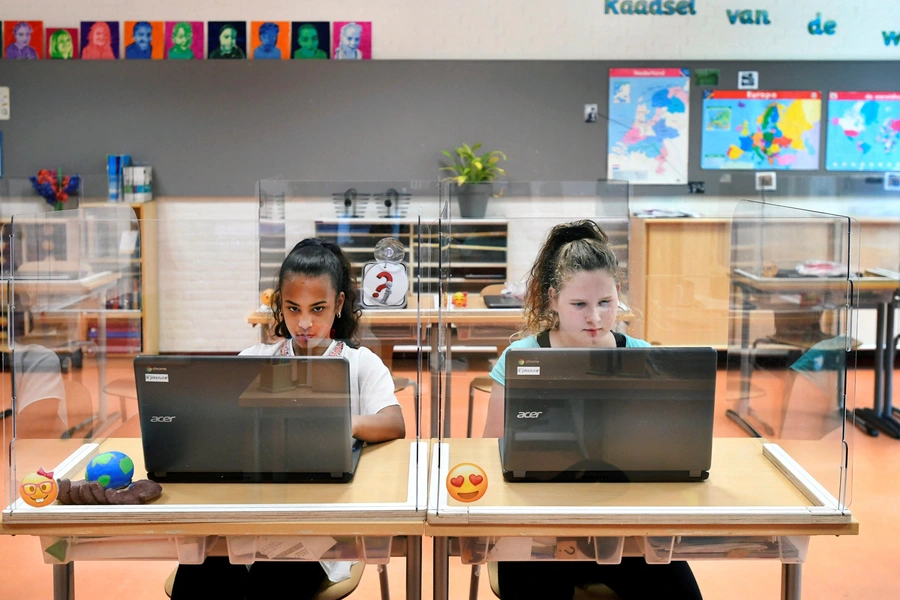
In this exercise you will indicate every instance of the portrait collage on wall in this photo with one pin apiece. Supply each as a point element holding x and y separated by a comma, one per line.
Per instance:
<point>184,40</point>
<point>143,40</point>
<point>187,40</point>
<point>226,40</point>
<point>310,40</point>
<point>23,40</point>
<point>62,43</point>
<point>99,40</point>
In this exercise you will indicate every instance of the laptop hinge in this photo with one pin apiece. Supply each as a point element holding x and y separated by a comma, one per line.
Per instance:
<point>337,475</point>
<point>695,474</point>
<point>519,474</point>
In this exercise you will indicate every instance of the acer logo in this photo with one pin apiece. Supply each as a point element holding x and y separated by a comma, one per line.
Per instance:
<point>161,419</point>
<point>529,415</point>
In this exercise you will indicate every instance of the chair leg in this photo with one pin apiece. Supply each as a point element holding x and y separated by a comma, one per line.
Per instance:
<point>471,404</point>
<point>383,581</point>
<point>474,581</point>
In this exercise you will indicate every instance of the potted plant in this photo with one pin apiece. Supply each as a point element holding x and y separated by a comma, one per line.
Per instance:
<point>473,177</point>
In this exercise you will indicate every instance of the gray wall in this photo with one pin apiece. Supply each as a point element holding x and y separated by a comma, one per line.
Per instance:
<point>214,128</point>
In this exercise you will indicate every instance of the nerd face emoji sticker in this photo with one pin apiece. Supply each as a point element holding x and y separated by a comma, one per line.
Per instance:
<point>467,482</point>
<point>38,489</point>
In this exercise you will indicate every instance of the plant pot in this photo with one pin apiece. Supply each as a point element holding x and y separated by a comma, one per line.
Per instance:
<point>473,199</point>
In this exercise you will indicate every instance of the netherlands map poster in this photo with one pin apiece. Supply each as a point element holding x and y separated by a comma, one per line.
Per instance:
<point>863,131</point>
<point>761,130</point>
<point>648,125</point>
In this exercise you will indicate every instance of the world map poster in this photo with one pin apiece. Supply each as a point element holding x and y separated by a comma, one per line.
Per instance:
<point>863,131</point>
<point>761,130</point>
<point>648,125</point>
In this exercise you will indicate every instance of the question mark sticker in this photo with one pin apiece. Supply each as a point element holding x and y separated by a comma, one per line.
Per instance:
<point>387,277</point>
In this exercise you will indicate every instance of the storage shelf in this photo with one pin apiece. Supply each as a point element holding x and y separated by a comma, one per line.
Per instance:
<point>357,238</point>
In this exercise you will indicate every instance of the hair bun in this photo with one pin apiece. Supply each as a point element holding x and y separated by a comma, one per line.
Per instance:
<point>580,230</point>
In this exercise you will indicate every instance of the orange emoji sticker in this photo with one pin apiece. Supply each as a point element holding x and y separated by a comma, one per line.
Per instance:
<point>38,489</point>
<point>467,482</point>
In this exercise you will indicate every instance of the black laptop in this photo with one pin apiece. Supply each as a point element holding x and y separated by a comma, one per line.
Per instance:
<point>498,301</point>
<point>617,414</point>
<point>246,419</point>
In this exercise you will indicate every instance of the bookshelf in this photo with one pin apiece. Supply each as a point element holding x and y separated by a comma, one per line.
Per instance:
<point>477,248</point>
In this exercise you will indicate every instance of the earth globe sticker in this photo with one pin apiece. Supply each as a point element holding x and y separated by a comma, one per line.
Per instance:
<point>111,469</point>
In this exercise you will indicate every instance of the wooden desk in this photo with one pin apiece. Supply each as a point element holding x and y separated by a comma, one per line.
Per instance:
<point>386,499</point>
<point>876,288</point>
<point>755,490</point>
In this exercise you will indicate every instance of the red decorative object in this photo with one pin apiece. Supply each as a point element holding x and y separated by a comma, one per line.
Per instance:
<point>55,191</point>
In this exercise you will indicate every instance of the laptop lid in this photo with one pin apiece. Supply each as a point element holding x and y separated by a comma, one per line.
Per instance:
<point>611,414</point>
<point>246,418</point>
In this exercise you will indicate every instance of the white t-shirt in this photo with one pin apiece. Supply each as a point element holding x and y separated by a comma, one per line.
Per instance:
<point>371,390</point>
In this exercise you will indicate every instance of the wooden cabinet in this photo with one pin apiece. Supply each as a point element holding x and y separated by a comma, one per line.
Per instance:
<point>679,270</point>
<point>679,280</point>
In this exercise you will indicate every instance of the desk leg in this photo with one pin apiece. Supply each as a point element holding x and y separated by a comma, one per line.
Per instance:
<point>880,417</point>
<point>413,567</point>
<point>64,581</point>
<point>448,393</point>
<point>746,372</point>
<point>434,363</point>
<point>441,568</point>
<point>790,581</point>
<point>880,343</point>
<point>890,352</point>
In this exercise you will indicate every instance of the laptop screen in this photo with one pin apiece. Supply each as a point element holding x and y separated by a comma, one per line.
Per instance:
<point>245,418</point>
<point>609,414</point>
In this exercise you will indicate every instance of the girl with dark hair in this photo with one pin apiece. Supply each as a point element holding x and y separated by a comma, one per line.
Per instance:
<point>571,301</point>
<point>316,312</point>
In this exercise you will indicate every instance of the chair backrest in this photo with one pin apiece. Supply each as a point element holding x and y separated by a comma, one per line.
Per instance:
<point>493,289</point>
<point>40,419</point>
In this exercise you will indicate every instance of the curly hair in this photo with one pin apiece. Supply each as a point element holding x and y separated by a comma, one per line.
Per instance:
<point>314,257</point>
<point>187,29</point>
<point>568,249</point>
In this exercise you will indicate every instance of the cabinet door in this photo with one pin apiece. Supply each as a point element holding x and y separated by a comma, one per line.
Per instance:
<point>687,283</point>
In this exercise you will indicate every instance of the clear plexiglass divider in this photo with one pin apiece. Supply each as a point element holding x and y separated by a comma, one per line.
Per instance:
<point>278,423</point>
<point>796,287</point>
<point>483,430</point>
<point>526,431</point>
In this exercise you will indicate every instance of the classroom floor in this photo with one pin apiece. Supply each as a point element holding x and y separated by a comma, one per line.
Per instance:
<point>864,566</point>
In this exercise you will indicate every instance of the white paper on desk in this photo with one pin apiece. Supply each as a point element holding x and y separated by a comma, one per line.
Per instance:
<point>510,548</point>
<point>305,548</point>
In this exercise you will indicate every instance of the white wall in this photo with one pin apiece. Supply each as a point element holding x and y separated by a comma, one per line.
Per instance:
<point>208,257</point>
<point>537,29</point>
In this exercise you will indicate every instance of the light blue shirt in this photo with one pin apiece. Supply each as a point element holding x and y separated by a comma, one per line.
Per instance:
<point>498,373</point>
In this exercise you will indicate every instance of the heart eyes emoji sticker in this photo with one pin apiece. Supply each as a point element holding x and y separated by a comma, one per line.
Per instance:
<point>466,482</point>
